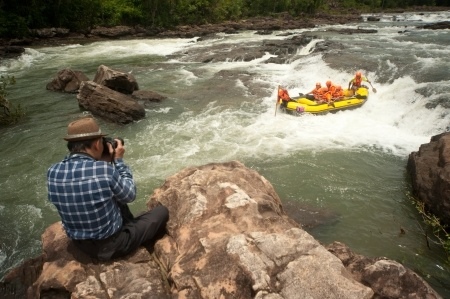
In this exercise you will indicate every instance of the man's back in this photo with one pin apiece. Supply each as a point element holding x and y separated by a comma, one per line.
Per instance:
<point>82,189</point>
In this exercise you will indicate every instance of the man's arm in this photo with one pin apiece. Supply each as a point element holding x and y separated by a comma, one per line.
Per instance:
<point>122,184</point>
<point>350,83</point>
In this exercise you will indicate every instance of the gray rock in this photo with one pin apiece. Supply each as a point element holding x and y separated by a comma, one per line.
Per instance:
<point>437,26</point>
<point>113,32</point>
<point>50,32</point>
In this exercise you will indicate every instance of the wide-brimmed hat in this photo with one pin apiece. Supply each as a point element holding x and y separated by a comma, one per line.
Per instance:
<point>83,129</point>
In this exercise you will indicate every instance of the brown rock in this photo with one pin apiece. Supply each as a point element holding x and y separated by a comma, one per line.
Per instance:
<point>228,237</point>
<point>387,278</point>
<point>109,104</point>
<point>67,80</point>
<point>116,80</point>
<point>68,272</point>
<point>17,281</point>
<point>235,241</point>
<point>429,169</point>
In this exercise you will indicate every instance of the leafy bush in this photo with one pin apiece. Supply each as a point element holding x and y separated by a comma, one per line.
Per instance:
<point>9,114</point>
<point>12,26</point>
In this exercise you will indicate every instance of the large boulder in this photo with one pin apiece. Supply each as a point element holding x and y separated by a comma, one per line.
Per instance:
<point>109,104</point>
<point>119,81</point>
<point>387,278</point>
<point>232,239</point>
<point>429,169</point>
<point>62,271</point>
<point>227,237</point>
<point>67,80</point>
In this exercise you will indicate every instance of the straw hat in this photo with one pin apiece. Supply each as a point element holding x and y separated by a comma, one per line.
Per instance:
<point>83,129</point>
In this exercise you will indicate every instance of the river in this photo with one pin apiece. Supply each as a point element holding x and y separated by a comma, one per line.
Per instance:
<point>348,167</point>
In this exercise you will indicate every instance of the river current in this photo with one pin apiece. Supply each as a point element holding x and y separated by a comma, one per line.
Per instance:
<point>348,167</point>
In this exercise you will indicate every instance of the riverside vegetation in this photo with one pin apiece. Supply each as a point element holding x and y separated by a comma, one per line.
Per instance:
<point>439,230</point>
<point>17,18</point>
<point>9,113</point>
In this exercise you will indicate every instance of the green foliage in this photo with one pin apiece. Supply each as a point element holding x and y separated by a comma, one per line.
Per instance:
<point>12,25</point>
<point>9,114</point>
<point>439,230</point>
<point>77,15</point>
<point>81,15</point>
<point>229,10</point>
<point>120,12</point>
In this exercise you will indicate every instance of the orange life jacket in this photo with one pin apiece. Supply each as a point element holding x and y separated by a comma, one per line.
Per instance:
<point>283,94</point>
<point>315,92</point>
<point>338,94</point>
<point>323,93</point>
<point>332,88</point>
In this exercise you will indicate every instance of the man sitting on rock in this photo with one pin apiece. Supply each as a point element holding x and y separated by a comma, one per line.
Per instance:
<point>91,196</point>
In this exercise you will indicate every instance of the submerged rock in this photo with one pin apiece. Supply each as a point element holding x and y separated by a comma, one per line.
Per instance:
<point>437,26</point>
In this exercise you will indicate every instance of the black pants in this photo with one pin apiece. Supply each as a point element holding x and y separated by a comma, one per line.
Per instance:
<point>134,232</point>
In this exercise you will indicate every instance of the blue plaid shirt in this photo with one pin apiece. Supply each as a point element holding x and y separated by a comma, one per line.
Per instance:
<point>86,191</point>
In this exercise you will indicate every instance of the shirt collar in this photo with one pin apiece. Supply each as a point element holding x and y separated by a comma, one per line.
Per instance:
<point>81,155</point>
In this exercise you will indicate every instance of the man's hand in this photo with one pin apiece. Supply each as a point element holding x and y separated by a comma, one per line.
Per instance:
<point>120,150</point>
<point>116,153</point>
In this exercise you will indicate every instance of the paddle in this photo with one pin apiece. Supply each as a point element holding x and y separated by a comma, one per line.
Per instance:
<point>278,99</point>
<point>373,88</point>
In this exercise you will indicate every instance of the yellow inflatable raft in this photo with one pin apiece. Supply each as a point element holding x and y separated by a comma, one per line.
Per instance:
<point>300,105</point>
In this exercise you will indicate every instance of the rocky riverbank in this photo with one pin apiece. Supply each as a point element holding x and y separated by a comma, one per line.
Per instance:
<point>10,48</point>
<point>59,36</point>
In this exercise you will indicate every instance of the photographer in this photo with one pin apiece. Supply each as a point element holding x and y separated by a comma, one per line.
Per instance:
<point>91,195</point>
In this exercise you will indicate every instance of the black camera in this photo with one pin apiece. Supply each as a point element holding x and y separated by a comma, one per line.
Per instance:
<point>111,141</point>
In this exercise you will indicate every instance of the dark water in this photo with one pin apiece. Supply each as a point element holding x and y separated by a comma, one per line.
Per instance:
<point>349,167</point>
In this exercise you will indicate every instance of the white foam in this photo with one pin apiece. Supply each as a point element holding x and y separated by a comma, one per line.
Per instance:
<point>394,119</point>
